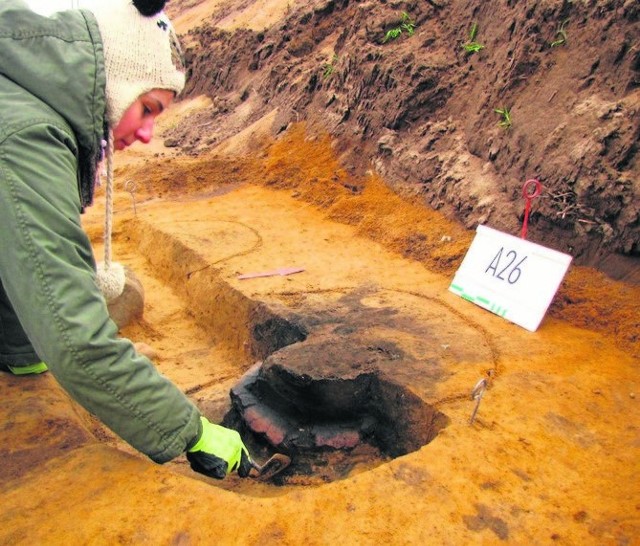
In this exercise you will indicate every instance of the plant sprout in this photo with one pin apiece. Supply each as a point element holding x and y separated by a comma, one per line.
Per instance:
<point>328,68</point>
<point>472,46</point>
<point>561,35</point>
<point>505,122</point>
<point>406,25</point>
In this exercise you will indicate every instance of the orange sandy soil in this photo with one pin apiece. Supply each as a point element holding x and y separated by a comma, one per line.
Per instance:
<point>552,458</point>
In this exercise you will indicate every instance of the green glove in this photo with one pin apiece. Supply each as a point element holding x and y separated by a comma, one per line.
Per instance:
<point>218,452</point>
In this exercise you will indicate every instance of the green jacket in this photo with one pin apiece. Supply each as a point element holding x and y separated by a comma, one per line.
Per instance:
<point>52,104</point>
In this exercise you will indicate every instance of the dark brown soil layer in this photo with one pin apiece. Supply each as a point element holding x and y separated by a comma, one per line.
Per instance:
<point>394,86</point>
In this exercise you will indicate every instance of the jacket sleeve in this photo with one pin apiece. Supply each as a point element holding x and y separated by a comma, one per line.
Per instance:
<point>48,271</point>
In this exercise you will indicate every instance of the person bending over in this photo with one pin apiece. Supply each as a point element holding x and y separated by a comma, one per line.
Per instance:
<point>74,88</point>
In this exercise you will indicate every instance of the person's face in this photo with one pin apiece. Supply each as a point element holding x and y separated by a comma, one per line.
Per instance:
<point>137,121</point>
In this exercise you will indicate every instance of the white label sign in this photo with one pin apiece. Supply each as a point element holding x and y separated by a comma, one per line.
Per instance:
<point>511,277</point>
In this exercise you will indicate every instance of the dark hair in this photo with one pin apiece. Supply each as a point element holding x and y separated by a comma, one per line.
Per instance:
<point>149,8</point>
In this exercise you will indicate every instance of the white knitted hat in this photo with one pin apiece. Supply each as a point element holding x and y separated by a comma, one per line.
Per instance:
<point>141,52</point>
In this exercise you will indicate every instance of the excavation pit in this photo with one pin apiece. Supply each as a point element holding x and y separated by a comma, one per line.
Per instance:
<point>329,405</point>
<point>348,378</point>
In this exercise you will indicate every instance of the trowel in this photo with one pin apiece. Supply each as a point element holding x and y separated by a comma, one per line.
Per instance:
<point>274,465</point>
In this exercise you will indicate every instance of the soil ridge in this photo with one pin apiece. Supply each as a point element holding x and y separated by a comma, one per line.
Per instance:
<point>398,90</point>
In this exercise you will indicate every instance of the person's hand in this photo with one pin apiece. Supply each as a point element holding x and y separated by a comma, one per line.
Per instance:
<point>218,452</point>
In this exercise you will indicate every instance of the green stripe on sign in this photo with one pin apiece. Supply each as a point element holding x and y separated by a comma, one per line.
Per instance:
<point>468,298</point>
<point>456,287</point>
<point>484,300</point>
